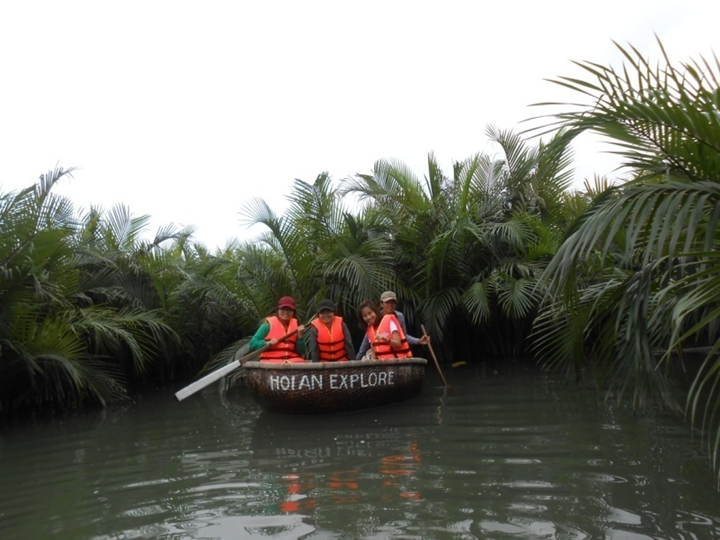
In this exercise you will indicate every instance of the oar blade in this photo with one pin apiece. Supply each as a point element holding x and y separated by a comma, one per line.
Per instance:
<point>220,373</point>
<point>207,380</point>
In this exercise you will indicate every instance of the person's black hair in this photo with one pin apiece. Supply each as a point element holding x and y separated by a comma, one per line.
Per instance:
<point>368,304</point>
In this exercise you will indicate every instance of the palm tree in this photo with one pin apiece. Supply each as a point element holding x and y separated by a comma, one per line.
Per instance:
<point>316,250</point>
<point>466,248</point>
<point>136,280</point>
<point>636,280</point>
<point>43,357</point>
<point>79,314</point>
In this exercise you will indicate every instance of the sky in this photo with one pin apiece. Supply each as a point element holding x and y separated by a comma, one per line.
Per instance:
<point>186,111</point>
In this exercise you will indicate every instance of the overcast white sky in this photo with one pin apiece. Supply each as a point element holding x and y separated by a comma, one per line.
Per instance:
<point>184,110</point>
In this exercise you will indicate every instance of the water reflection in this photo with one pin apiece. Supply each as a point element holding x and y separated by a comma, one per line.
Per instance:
<point>320,462</point>
<point>504,456</point>
<point>258,527</point>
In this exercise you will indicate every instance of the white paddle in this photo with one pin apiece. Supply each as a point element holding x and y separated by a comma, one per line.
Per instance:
<point>210,378</point>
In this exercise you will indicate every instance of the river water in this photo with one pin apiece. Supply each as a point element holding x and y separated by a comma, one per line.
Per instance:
<point>505,453</point>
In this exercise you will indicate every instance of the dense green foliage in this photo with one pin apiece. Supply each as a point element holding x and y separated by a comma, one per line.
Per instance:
<point>498,257</point>
<point>635,283</point>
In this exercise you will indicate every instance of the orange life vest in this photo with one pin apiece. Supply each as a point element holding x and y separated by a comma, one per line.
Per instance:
<point>285,350</point>
<point>384,351</point>
<point>331,341</point>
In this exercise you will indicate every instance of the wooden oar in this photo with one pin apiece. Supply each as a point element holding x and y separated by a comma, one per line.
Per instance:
<point>232,366</point>
<point>437,364</point>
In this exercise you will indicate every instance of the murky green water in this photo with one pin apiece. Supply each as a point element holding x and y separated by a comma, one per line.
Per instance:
<point>514,454</point>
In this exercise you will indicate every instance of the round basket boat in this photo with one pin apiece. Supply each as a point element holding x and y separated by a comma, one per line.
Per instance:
<point>331,387</point>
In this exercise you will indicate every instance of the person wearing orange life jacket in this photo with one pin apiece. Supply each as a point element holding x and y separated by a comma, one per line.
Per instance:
<point>274,328</point>
<point>385,335</point>
<point>388,304</point>
<point>329,340</point>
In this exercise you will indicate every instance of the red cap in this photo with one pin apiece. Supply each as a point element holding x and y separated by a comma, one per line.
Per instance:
<point>286,302</point>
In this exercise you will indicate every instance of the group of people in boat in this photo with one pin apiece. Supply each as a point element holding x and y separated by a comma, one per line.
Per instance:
<point>282,339</point>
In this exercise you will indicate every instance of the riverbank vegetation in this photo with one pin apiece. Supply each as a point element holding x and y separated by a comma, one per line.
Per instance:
<point>496,257</point>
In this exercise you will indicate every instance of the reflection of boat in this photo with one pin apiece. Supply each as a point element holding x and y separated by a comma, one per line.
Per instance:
<point>339,459</point>
<point>335,443</point>
<point>328,387</point>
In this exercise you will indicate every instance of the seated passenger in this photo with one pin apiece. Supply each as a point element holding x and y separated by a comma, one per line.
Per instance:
<point>329,339</point>
<point>388,303</point>
<point>276,327</point>
<point>385,335</point>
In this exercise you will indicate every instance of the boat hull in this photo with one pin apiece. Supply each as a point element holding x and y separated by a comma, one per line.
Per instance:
<point>332,387</point>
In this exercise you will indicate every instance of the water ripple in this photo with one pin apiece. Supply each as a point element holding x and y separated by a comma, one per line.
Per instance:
<point>505,456</point>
